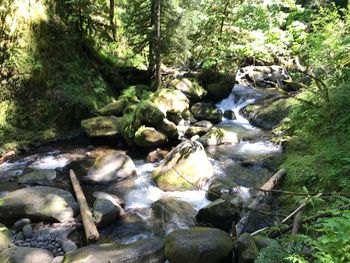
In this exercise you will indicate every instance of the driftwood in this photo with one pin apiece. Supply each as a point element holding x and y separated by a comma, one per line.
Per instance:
<point>91,232</point>
<point>253,219</point>
<point>7,156</point>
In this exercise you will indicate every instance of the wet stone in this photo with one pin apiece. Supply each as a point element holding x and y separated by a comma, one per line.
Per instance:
<point>40,238</point>
<point>18,226</point>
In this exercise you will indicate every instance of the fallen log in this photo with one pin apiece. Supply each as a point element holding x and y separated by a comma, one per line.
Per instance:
<point>254,220</point>
<point>91,232</point>
<point>7,156</point>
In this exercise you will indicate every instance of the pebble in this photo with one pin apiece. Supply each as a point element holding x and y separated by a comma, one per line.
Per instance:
<point>28,231</point>
<point>40,238</point>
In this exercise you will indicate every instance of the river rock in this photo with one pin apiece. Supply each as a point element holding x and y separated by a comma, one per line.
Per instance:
<point>206,111</point>
<point>246,250</point>
<point>69,246</point>
<point>218,136</point>
<point>185,167</point>
<point>102,126</point>
<point>220,214</point>
<point>42,177</point>
<point>115,108</point>
<point>199,245</point>
<point>220,90</point>
<point>58,259</point>
<point>170,100</point>
<point>110,168</point>
<point>173,213</point>
<point>5,237</point>
<point>116,200</point>
<point>18,225</point>
<point>230,115</point>
<point>27,231</point>
<point>40,203</point>
<point>147,250</point>
<point>25,255</point>
<point>149,137</point>
<point>192,89</point>
<point>106,212</point>
<point>168,127</point>
<point>156,155</point>
<point>199,128</point>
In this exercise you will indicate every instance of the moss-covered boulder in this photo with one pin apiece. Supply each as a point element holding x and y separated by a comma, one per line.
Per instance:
<point>219,90</point>
<point>199,128</point>
<point>220,214</point>
<point>115,108</point>
<point>146,250</point>
<point>106,212</point>
<point>39,203</point>
<point>191,88</point>
<point>168,127</point>
<point>246,250</point>
<point>185,167</point>
<point>102,126</point>
<point>199,245</point>
<point>40,177</point>
<point>170,100</point>
<point>5,237</point>
<point>149,113</point>
<point>206,111</point>
<point>149,137</point>
<point>217,136</point>
<point>269,113</point>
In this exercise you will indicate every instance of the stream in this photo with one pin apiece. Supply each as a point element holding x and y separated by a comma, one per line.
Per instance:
<point>242,163</point>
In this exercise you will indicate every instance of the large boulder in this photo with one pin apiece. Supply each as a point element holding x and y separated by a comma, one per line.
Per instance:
<point>217,136</point>
<point>169,100</point>
<point>219,90</point>
<point>220,214</point>
<point>42,177</point>
<point>192,89</point>
<point>39,203</point>
<point>269,113</point>
<point>149,137</point>
<point>174,214</point>
<point>25,255</point>
<point>106,212</point>
<point>115,108</point>
<point>147,250</point>
<point>199,245</point>
<point>5,237</point>
<point>206,111</point>
<point>102,126</point>
<point>150,113</point>
<point>185,167</point>
<point>168,127</point>
<point>199,128</point>
<point>109,168</point>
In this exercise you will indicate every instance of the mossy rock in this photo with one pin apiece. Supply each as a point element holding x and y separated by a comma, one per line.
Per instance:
<point>206,111</point>
<point>218,136</point>
<point>191,88</point>
<point>199,245</point>
<point>186,167</point>
<point>5,237</point>
<point>129,127</point>
<point>219,90</point>
<point>149,137</point>
<point>115,108</point>
<point>168,127</point>
<point>147,112</point>
<point>102,126</point>
<point>41,177</point>
<point>170,100</point>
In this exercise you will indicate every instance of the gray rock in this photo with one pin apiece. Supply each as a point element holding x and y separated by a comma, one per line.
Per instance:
<point>18,225</point>
<point>199,245</point>
<point>38,202</point>
<point>230,115</point>
<point>25,255</point>
<point>206,111</point>
<point>112,167</point>
<point>68,246</point>
<point>147,250</point>
<point>102,126</point>
<point>105,212</point>
<point>113,198</point>
<point>27,232</point>
<point>245,249</point>
<point>58,259</point>
<point>19,236</point>
<point>41,177</point>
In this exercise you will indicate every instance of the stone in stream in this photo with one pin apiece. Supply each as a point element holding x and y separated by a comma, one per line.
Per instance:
<point>168,127</point>
<point>156,155</point>
<point>149,137</point>
<point>206,111</point>
<point>18,225</point>
<point>102,126</point>
<point>170,100</point>
<point>25,255</point>
<point>185,167</point>
<point>41,177</point>
<point>246,250</point>
<point>147,250</point>
<point>110,168</point>
<point>113,198</point>
<point>199,245</point>
<point>217,136</point>
<point>230,115</point>
<point>173,214</point>
<point>40,203</point>
<point>192,89</point>
<point>27,231</point>
<point>106,212</point>
<point>220,214</point>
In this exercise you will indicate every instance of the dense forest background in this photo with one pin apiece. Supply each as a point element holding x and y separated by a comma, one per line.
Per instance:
<point>62,60</point>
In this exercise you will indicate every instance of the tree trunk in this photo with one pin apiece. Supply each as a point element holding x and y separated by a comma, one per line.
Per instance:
<point>157,15</point>
<point>91,232</point>
<point>111,19</point>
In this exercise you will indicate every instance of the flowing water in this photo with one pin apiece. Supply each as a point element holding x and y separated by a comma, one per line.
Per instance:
<point>241,163</point>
